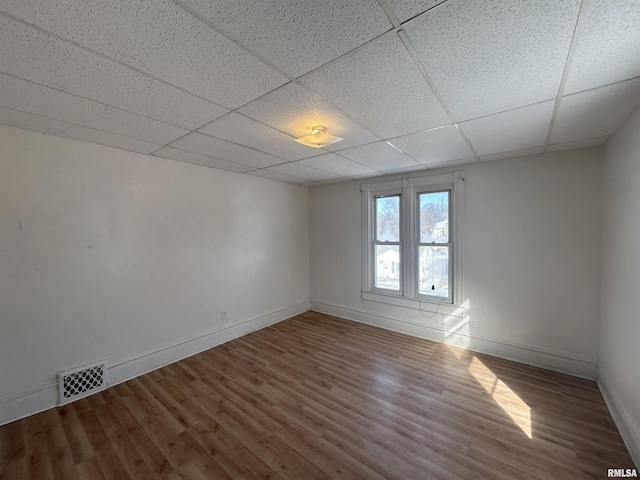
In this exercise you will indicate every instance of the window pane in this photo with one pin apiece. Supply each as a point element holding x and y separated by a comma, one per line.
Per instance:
<point>434,217</point>
<point>388,267</point>
<point>434,271</point>
<point>388,219</point>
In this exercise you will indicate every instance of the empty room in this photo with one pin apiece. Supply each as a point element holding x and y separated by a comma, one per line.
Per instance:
<point>291,239</point>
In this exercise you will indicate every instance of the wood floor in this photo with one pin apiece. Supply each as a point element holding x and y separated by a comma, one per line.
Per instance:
<point>320,397</point>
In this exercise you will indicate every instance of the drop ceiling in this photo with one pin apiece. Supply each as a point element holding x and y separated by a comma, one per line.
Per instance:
<point>409,84</point>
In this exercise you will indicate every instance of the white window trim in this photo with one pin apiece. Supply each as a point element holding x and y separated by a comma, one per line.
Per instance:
<point>409,188</point>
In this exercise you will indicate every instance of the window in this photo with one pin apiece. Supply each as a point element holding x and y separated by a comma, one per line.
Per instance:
<point>387,242</point>
<point>411,240</point>
<point>434,244</point>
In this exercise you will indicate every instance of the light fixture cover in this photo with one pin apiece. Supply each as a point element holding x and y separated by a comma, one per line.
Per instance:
<point>318,138</point>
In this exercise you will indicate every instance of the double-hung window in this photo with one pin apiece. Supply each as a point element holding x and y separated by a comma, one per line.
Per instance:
<point>412,240</point>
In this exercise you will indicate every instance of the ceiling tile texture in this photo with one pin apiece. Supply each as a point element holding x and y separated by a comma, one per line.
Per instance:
<point>495,55</point>
<point>517,129</point>
<point>434,146</point>
<point>33,98</point>
<point>381,86</point>
<point>243,130</point>
<point>64,66</point>
<point>595,113</point>
<point>231,152</point>
<point>380,156</point>
<point>198,159</point>
<point>406,9</point>
<point>338,165</point>
<point>295,169</point>
<point>295,110</point>
<point>608,48</point>
<point>408,84</point>
<point>297,36</point>
<point>160,39</point>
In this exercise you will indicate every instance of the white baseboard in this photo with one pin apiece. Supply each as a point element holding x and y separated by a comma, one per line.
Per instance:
<point>45,397</point>
<point>539,357</point>
<point>629,431</point>
<point>28,403</point>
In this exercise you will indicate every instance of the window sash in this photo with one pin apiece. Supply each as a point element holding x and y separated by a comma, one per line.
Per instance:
<point>373,235</point>
<point>434,244</point>
<point>418,219</point>
<point>436,268</point>
<point>376,287</point>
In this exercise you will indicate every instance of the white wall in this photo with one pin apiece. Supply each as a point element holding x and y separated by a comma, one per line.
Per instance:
<point>173,244</point>
<point>620,325</point>
<point>531,263</point>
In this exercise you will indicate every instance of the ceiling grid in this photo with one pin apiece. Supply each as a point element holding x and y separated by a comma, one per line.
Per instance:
<point>408,84</point>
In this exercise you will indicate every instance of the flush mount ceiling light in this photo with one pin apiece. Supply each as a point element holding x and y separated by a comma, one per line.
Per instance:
<point>318,138</point>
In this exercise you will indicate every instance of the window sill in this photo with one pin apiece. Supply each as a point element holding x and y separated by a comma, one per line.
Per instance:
<point>414,303</point>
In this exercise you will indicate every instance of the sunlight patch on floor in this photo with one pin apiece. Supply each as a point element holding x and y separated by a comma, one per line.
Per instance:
<point>508,400</point>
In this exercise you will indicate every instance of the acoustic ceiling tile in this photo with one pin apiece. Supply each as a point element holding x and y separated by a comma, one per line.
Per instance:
<point>246,131</point>
<point>159,38</point>
<point>525,127</point>
<point>231,152</point>
<point>334,163</point>
<point>296,170</point>
<point>595,113</point>
<point>353,177</point>
<point>382,87</point>
<point>41,58</point>
<point>380,156</point>
<point>197,159</point>
<point>32,98</point>
<point>139,75</point>
<point>271,175</point>
<point>491,56</point>
<point>416,168</point>
<point>434,146</point>
<point>453,163</point>
<point>50,126</point>
<point>297,36</point>
<point>512,154</point>
<point>337,180</point>
<point>295,110</point>
<point>406,9</point>
<point>589,142</point>
<point>608,49</point>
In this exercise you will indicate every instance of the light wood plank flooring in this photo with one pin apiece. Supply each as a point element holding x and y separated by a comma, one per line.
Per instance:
<point>317,397</point>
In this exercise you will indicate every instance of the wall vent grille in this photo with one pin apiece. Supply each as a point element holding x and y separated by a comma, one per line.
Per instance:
<point>81,382</point>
